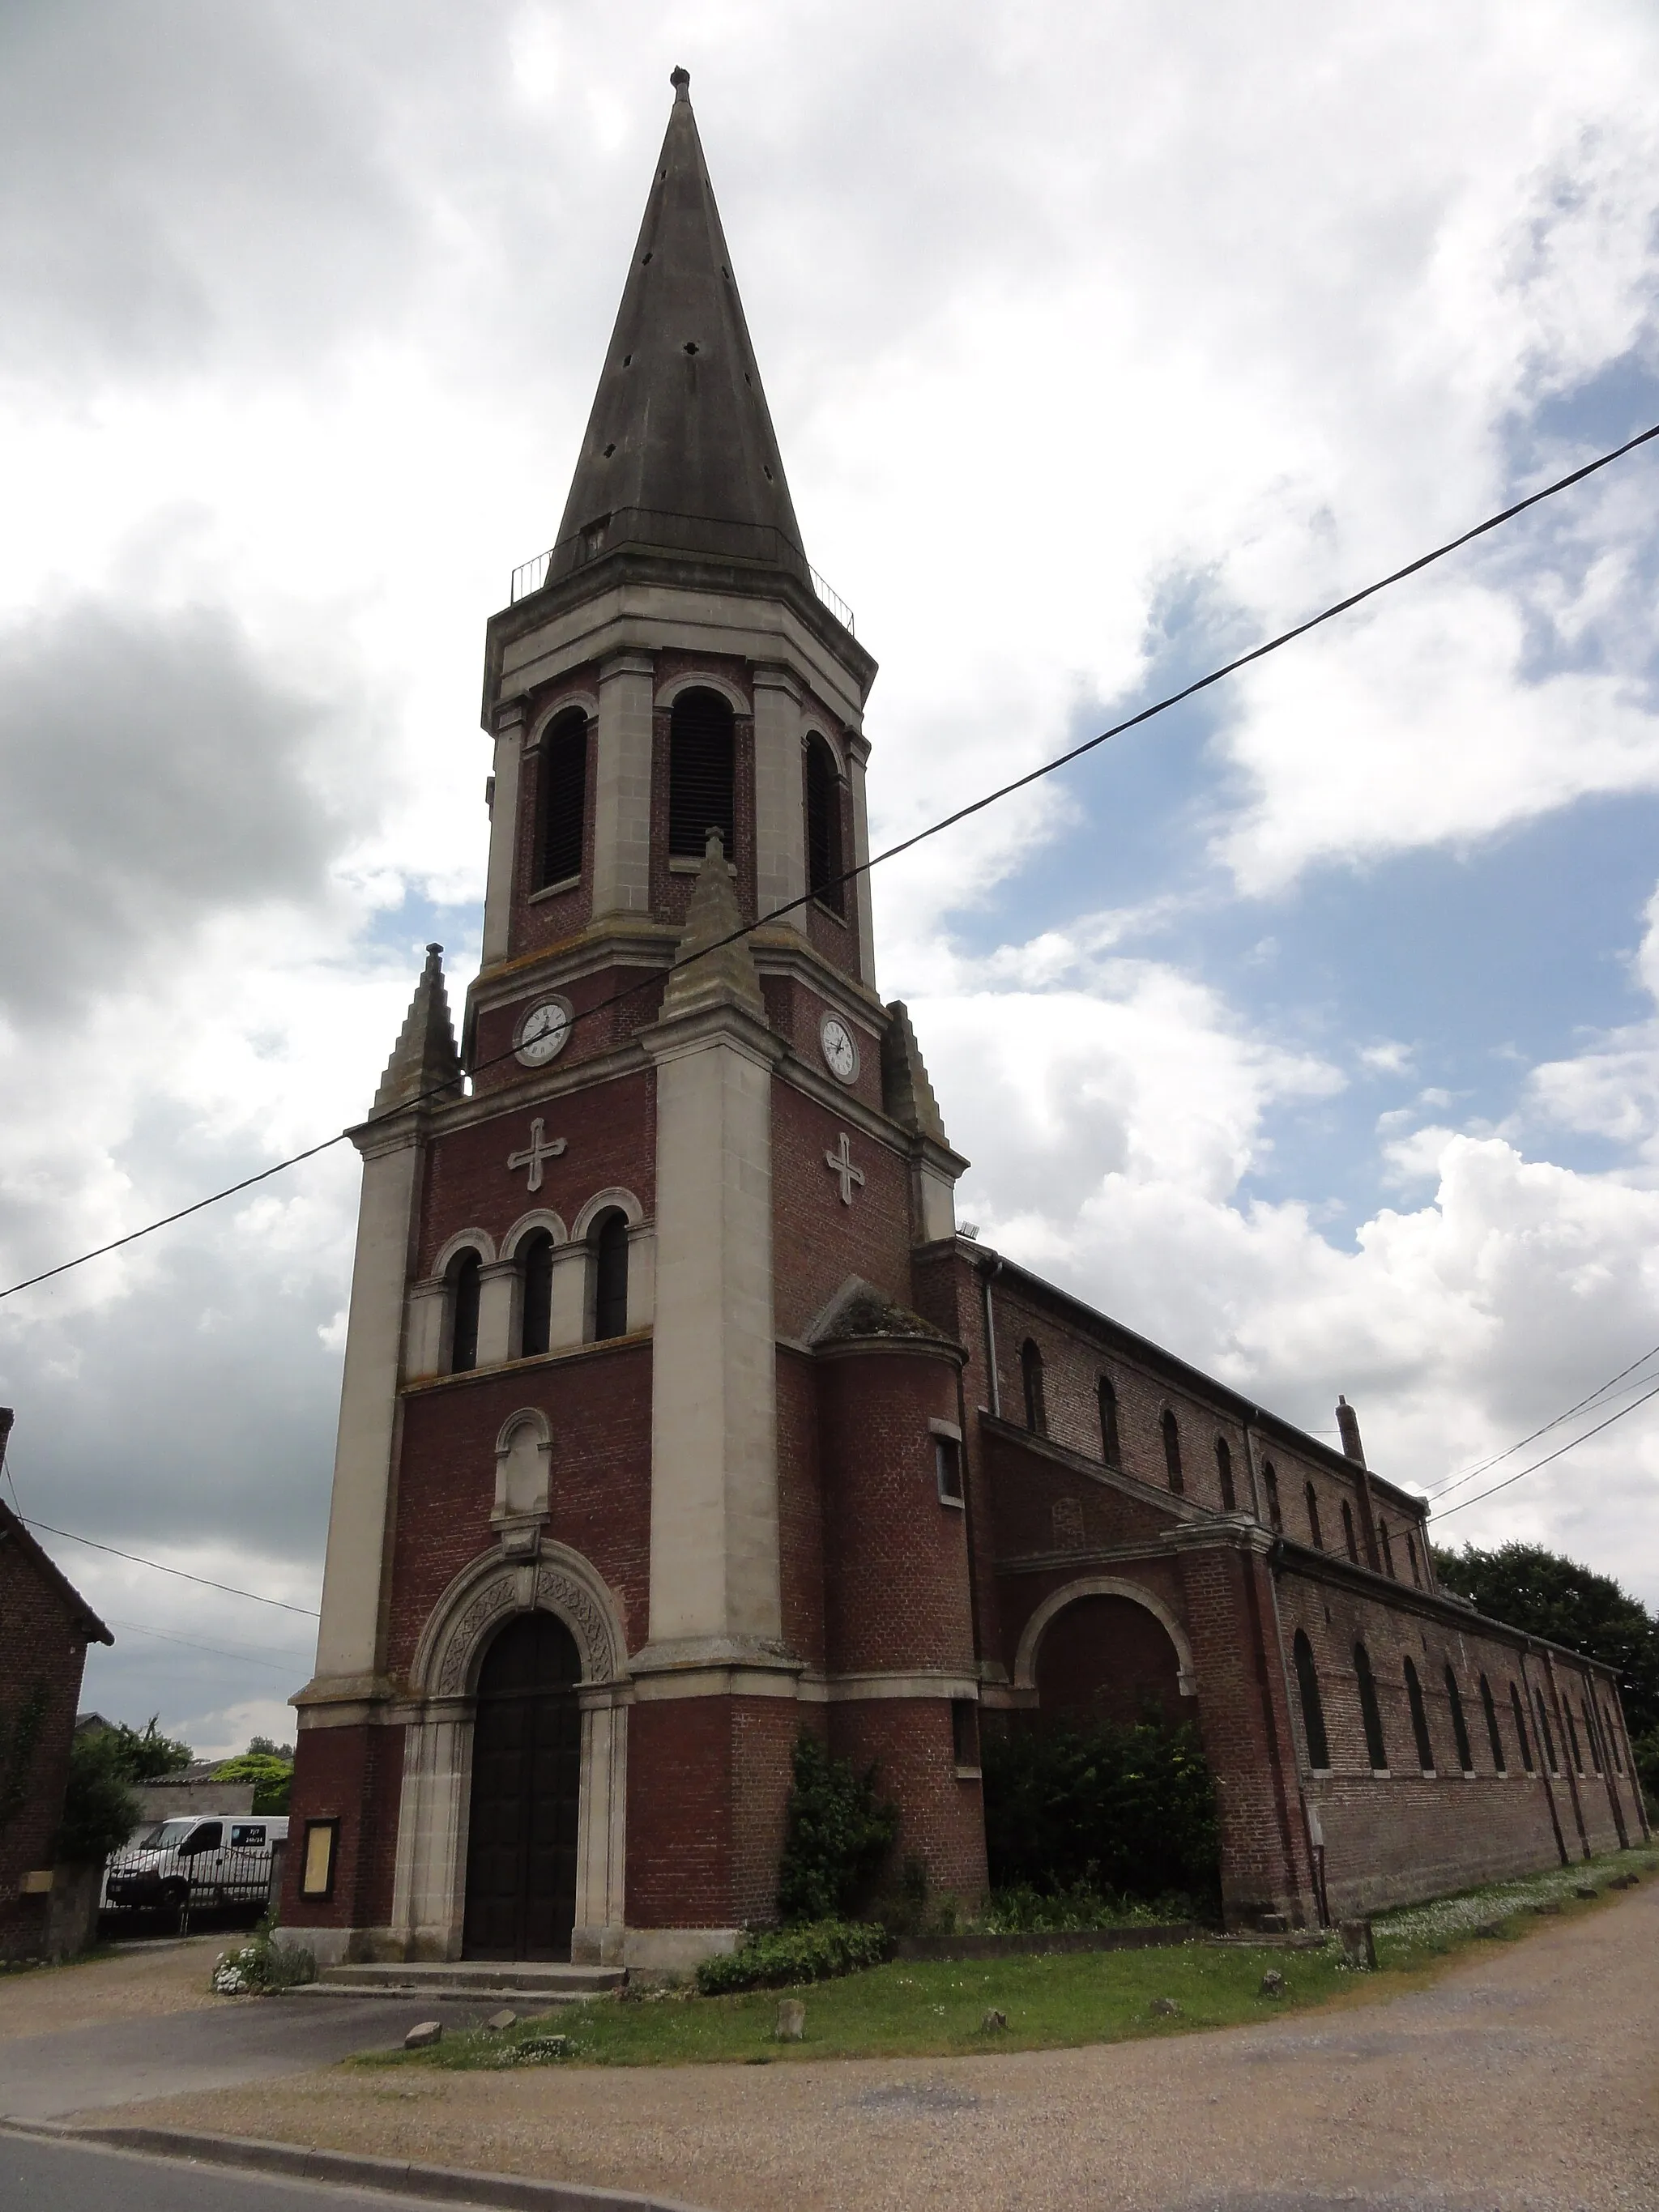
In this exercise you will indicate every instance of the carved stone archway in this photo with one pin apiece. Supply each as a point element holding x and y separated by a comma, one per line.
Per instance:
<point>430,1883</point>
<point>1026,1657</point>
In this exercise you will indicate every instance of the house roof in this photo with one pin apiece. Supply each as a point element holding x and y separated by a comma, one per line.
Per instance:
<point>12,1532</point>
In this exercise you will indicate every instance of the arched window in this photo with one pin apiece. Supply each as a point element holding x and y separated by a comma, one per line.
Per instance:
<point>701,758</point>
<point>463,1277</point>
<point>1494,1734</point>
<point>1348,1536</point>
<point>1589,1730</point>
<point>1111,1450</point>
<point>1315,1533</point>
<point>535,1294</point>
<point>1573,1737</point>
<point>1522,1735</point>
<point>608,1242</point>
<point>1171,1429</point>
<point>1419,1720</point>
<point>1612,1743</point>
<point>1410,1552</point>
<point>1546,1732</point>
<point>1388,1549</point>
<point>1460,1726</point>
<point>1313,1710</point>
<point>562,799</point>
<point>1270,1483</point>
<point>1031,1375</point>
<point>824,862</point>
<point>1223,1468</point>
<point>1369,1712</point>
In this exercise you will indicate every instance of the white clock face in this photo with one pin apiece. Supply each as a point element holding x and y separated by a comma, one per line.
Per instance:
<point>840,1053</point>
<point>542,1031</point>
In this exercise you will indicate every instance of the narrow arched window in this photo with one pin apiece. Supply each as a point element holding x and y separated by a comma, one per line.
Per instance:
<point>1419,1720</point>
<point>1111,1450</point>
<point>1031,1375</point>
<point>1460,1726</point>
<point>1315,1533</point>
<point>702,773</point>
<point>1223,1468</point>
<point>1388,1549</point>
<point>1611,1729</point>
<point>562,799</point>
<point>1171,1429</point>
<point>1523,1736</point>
<point>1369,1712</point>
<point>464,1288</point>
<point>1546,1732</point>
<point>1270,1483</point>
<point>1313,1708</point>
<point>535,1294</point>
<point>1410,1550</point>
<point>1573,1737</point>
<point>1494,1734</point>
<point>608,1242</point>
<point>1589,1730</point>
<point>824,862</point>
<point>1348,1536</point>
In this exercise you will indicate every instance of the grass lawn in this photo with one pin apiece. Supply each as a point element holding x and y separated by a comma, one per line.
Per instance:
<point>914,2008</point>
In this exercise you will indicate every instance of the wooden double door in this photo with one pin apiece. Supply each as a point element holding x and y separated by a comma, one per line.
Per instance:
<point>526,1772</point>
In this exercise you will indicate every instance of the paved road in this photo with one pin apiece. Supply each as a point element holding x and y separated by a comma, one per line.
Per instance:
<point>234,2046</point>
<point>52,2177</point>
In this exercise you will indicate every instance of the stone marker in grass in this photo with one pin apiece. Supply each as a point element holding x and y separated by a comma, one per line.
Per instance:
<point>424,2035</point>
<point>791,2021</point>
<point>1166,2007</point>
<point>1273,1983</point>
<point>498,2022</point>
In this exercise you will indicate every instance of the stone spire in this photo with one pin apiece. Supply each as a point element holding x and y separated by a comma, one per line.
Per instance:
<point>701,978</point>
<point>906,1091</point>
<point>679,450</point>
<point>424,1058</point>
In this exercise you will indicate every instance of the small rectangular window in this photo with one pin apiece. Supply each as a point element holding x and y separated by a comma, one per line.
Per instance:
<point>317,1866</point>
<point>965,1732</point>
<point>947,1468</point>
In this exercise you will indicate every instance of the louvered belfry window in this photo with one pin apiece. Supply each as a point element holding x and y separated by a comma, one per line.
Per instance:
<point>700,757</point>
<point>563,797</point>
<point>824,863</point>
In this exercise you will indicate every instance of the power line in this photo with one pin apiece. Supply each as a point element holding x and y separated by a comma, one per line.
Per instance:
<point>230,1589</point>
<point>219,1652</point>
<point>1469,1475</point>
<point>905,844</point>
<point>1549,1456</point>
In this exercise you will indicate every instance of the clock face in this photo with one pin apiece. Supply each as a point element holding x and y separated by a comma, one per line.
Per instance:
<point>840,1053</point>
<point>542,1032</point>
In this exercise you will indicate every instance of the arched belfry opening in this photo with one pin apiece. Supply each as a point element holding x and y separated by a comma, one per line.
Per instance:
<point>702,773</point>
<point>523,1826</point>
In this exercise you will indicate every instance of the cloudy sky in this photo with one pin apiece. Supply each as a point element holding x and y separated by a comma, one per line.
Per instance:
<point>1314,1030</point>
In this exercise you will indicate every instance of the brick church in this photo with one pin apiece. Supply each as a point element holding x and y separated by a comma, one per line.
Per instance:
<point>679,1416</point>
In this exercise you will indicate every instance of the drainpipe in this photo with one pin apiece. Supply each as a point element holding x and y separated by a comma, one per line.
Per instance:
<point>987,1275</point>
<point>1604,1754</point>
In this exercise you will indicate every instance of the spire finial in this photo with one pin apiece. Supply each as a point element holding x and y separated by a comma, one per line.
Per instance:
<point>681,80</point>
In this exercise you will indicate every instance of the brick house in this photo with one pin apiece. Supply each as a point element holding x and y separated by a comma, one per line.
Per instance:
<point>46,1626</point>
<point>676,1414</point>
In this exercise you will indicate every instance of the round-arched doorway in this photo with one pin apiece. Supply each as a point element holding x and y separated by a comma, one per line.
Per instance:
<point>1106,1658</point>
<point>527,1767</point>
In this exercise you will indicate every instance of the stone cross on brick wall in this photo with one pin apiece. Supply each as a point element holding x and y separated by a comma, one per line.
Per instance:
<point>539,1150</point>
<point>840,1163</point>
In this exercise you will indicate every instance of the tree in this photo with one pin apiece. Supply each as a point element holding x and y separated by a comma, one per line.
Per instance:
<point>1548,1594</point>
<point>836,1838</point>
<point>272,1775</point>
<point>140,1754</point>
<point>100,1810</point>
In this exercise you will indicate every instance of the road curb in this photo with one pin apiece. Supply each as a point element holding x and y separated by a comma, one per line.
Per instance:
<point>349,2170</point>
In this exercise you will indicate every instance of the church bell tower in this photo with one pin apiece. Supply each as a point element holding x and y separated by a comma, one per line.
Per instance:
<point>644,1455</point>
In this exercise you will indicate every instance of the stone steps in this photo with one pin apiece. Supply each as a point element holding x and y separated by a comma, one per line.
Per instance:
<point>542,1981</point>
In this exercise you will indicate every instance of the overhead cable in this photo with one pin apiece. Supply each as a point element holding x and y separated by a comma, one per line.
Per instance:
<point>904,845</point>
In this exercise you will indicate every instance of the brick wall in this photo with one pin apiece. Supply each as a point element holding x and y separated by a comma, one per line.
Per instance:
<point>355,1775</point>
<point>942,1814</point>
<point>708,1786</point>
<point>43,1648</point>
<point>816,1241</point>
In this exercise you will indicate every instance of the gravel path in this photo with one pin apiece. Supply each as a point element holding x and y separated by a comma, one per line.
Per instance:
<point>139,1982</point>
<point>1523,2080</point>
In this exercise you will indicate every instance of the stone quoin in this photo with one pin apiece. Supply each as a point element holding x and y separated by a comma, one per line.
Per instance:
<point>676,1417</point>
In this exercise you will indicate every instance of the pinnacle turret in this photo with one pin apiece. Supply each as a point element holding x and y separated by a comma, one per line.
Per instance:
<point>424,1059</point>
<point>701,976</point>
<point>680,451</point>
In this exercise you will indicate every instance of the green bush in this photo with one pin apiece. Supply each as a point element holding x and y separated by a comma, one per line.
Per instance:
<point>777,1958</point>
<point>1024,1910</point>
<point>20,1738</point>
<point>272,1775</point>
<point>100,1810</point>
<point>1129,1810</point>
<point>836,1838</point>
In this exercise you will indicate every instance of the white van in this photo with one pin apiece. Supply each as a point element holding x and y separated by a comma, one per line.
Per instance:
<point>201,1860</point>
